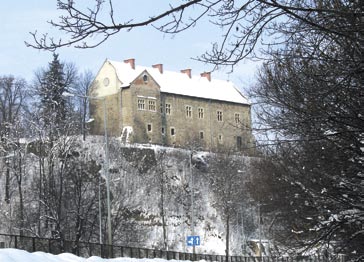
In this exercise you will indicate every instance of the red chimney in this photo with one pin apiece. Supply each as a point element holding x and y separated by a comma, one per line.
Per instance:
<point>207,75</point>
<point>187,72</point>
<point>130,61</point>
<point>159,67</point>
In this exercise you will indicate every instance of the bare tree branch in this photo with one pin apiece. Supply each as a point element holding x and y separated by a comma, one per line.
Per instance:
<point>82,26</point>
<point>248,25</point>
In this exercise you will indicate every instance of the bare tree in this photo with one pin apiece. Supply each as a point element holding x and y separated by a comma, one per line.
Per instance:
<point>310,101</point>
<point>227,175</point>
<point>64,192</point>
<point>82,86</point>
<point>12,96</point>
<point>161,176</point>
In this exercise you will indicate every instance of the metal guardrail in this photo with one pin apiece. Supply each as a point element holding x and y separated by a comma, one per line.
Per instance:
<point>88,249</point>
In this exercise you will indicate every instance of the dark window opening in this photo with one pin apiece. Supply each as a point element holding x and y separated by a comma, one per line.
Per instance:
<point>149,127</point>
<point>237,118</point>
<point>145,78</point>
<point>173,131</point>
<point>168,109</point>
<point>219,116</point>
<point>239,142</point>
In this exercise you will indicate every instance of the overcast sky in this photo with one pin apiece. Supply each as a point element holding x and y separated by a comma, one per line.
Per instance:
<point>146,45</point>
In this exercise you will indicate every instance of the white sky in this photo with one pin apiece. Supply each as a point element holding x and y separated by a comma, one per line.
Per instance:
<point>146,45</point>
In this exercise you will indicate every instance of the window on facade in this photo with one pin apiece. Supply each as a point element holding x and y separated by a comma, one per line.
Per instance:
<point>141,104</point>
<point>173,131</point>
<point>149,127</point>
<point>145,78</point>
<point>168,109</point>
<point>201,135</point>
<point>151,105</point>
<point>200,113</point>
<point>219,116</point>
<point>220,138</point>
<point>188,111</point>
<point>163,131</point>
<point>237,118</point>
<point>239,142</point>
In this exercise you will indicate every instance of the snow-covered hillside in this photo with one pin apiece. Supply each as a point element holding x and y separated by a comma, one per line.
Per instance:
<point>152,189</point>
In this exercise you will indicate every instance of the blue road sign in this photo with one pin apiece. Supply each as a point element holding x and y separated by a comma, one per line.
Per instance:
<point>193,241</point>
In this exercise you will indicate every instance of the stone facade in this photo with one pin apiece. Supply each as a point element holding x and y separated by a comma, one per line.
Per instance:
<point>139,111</point>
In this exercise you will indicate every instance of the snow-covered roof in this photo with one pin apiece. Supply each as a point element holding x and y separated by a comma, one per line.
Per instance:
<point>181,84</point>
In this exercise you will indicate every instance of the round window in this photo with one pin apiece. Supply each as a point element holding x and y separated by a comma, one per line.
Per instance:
<point>106,81</point>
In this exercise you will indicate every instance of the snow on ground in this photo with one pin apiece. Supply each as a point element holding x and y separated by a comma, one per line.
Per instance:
<point>16,255</point>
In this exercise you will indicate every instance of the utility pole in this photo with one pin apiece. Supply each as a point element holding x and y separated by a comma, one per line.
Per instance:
<point>107,174</point>
<point>260,232</point>
<point>192,203</point>
<point>100,218</point>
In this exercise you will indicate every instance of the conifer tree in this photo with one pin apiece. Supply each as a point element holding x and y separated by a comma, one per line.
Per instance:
<point>53,106</point>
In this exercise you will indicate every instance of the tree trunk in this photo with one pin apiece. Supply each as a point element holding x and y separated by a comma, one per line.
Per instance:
<point>163,213</point>
<point>40,196</point>
<point>84,105</point>
<point>7,184</point>
<point>227,237</point>
<point>19,177</point>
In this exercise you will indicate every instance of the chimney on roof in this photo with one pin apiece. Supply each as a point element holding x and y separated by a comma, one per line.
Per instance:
<point>130,61</point>
<point>159,67</point>
<point>207,75</point>
<point>187,72</point>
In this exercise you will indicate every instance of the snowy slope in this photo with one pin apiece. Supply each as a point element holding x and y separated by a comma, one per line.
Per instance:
<point>16,255</point>
<point>136,173</point>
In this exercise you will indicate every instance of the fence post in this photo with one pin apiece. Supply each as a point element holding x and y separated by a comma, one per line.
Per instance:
<point>16,242</point>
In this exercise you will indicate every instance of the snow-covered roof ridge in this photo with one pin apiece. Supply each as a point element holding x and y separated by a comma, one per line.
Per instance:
<point>181,84</point>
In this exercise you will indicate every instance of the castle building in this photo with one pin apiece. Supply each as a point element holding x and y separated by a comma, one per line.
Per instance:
<point>151,105</point>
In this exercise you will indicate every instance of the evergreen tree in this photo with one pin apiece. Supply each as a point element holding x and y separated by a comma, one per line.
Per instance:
<point>53,106</point>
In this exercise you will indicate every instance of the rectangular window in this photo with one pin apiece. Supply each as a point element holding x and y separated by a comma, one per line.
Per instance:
<point>151,105</point>
<point>141,104</point>
<point>237,118</point>
<point>220,138</point>
<point>201,135</point>
<point>189,111</point>
<point>149,127</point>
<point>173,131</point>
<point>219,116</point>
<point>200,113</point>
<point>168,109</point>
<point>163,130</point>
